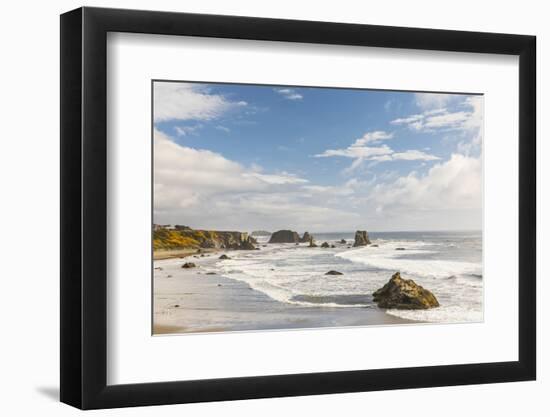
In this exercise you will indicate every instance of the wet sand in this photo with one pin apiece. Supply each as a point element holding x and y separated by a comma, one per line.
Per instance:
<point>179,253</point>
<point>192,300</point>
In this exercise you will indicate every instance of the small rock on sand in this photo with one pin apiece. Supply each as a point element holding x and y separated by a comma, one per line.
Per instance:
<point>187,265</point>
<point>224,256</point>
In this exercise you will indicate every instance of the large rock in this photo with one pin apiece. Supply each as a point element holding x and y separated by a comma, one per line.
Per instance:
<point>247,244</point>
<point>404,294</point>
<point>306,237</point>
<point>361,238</point>
<point>284,236</point>
<point>312,243</point>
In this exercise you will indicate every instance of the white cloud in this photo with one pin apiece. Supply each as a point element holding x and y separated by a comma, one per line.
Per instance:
<point>382,153</point>
<point>353,151</point>
<point>289,93</point>
<point>408,120</point>
<point>223,128</point>
<point>184,101</point>
<point>454,184</point>
<point>413,155</point>
<point>428,101</point>
<point>279,179</point>
<point>187,130</point>
<point>373,137</point>
<point>203,189</point>
<point>441,119</point>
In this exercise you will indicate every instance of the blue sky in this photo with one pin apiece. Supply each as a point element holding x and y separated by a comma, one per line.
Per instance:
<point>246,157</point>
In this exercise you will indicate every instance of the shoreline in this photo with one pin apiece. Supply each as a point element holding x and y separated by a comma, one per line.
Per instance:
<point>162,254</point>
<point>196,300</point>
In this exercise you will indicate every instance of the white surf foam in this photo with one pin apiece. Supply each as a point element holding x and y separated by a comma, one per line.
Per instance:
<point>386,256</point>
<point>296,275</point>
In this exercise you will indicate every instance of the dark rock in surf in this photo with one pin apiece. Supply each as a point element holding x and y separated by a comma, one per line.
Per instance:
<point>188,265</point>
<point>325,245</point>
<point>306,237</point>
<point>361,238</point>
<point>247,244</point>
<point>343,241</point>
<point>404,294</point>
<point>224,256</point>
<point>284,236</point>
<point>399,248</point>
<point>333,273</point>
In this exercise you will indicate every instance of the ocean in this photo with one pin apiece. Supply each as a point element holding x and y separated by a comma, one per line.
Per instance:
<point>449,264</point>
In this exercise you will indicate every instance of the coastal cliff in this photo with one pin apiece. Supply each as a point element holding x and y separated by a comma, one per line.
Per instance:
<point>186,238</point>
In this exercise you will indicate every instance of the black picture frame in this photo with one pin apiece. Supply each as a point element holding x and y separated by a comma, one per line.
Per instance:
<point>84,207</point>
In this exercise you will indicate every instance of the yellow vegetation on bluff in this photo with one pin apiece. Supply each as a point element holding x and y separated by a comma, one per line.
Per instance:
<point>181,239</point>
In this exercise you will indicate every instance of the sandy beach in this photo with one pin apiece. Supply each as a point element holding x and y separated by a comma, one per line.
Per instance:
<point>198,300</point>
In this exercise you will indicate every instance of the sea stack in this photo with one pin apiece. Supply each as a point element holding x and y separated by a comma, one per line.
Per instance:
<point>361,238</point>
<point>306,237</point>
<point>404,294</point>
<point>247,243</point>
<point>284,236</point>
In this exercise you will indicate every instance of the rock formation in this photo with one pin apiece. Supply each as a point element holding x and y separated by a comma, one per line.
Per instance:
<point>404,294</point>
<point>247,244</point>
<point>184,237</point>
<point>325,245</point>
<point>312,243</point>
<point>361,238</point>
<point>284,236</point>
<point>343,241</point>
<point>306,237</point>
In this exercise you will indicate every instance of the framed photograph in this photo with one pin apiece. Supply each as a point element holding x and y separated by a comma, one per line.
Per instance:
<point>256,208</point>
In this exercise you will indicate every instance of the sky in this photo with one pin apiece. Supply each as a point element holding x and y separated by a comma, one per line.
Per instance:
<point>250,157</point>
